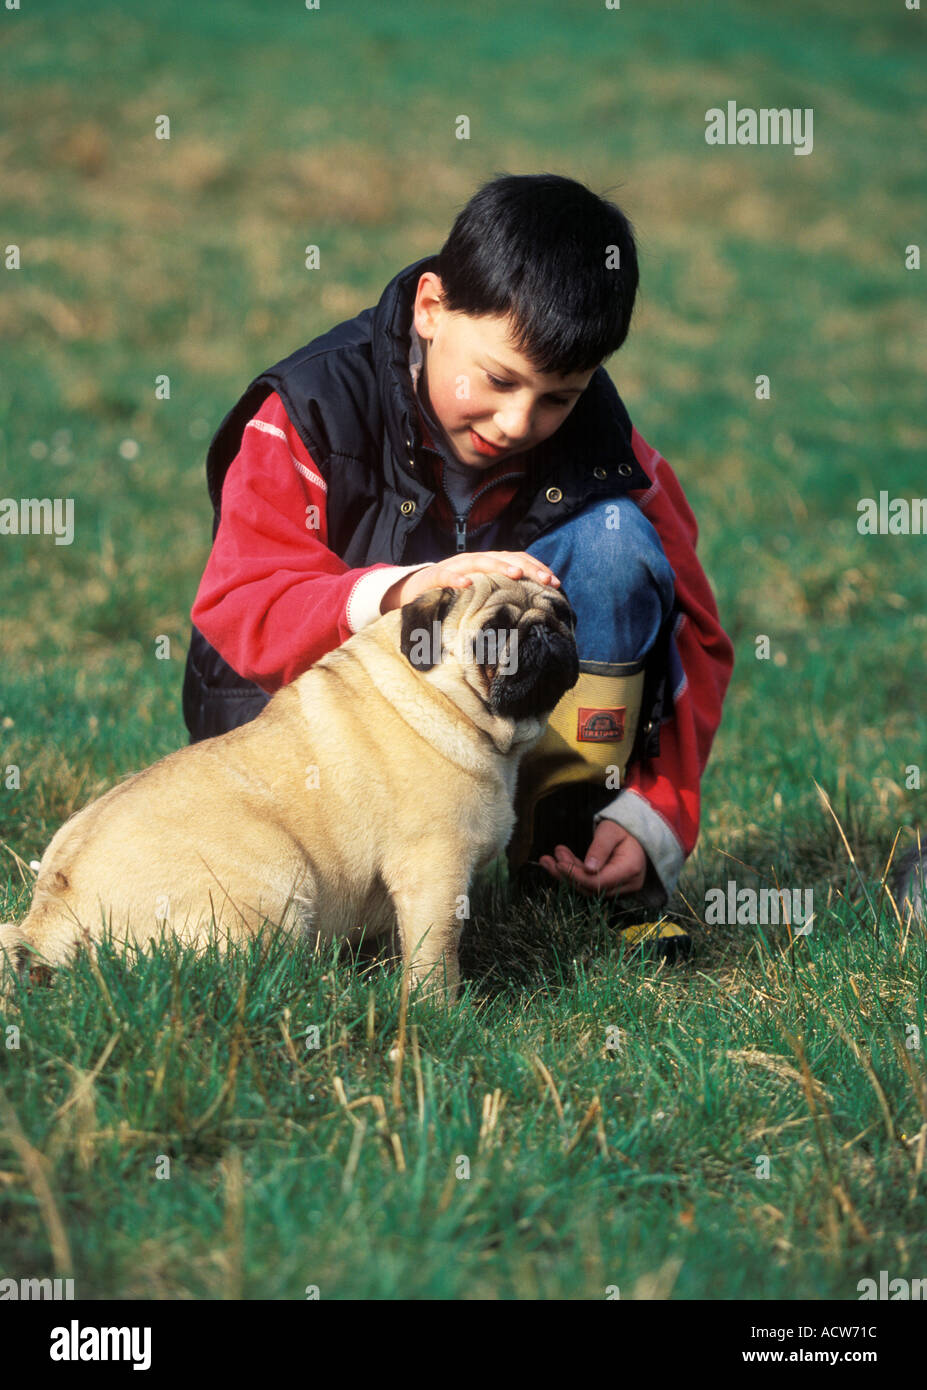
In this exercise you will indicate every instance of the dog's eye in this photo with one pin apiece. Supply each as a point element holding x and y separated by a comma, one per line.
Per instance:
<point>564,612</point>
<point>506,617</point>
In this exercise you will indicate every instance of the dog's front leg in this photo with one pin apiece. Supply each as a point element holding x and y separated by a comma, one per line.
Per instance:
<point>429,930</point>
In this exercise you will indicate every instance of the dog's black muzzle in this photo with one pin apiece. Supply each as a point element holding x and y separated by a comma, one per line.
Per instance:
<point>545,668</point>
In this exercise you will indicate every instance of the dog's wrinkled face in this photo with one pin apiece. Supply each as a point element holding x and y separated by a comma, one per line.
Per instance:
<point>512,640</point>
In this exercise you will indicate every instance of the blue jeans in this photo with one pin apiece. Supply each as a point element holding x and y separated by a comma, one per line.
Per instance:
<point>612,568</point>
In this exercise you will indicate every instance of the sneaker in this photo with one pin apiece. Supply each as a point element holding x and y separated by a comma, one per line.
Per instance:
<point>664,939</point>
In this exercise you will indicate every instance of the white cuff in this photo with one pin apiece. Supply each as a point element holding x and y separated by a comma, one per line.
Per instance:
<point>637,816</point>
<point>363,605</point>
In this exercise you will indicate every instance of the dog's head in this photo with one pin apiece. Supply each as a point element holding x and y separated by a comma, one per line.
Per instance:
<point>511,641</point>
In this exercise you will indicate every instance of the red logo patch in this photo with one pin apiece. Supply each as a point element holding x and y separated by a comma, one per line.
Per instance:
<point>600,725</point>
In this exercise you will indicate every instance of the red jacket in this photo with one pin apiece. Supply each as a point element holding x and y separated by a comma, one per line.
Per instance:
<point>274,599</point>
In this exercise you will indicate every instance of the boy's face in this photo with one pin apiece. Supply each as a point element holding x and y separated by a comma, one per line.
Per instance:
<point>481,390</point>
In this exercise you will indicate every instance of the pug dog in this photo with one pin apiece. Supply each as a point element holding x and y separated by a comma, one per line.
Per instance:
<point>360,800</point>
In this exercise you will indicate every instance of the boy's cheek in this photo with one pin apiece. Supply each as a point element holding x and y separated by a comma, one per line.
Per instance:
<point>466,399</point>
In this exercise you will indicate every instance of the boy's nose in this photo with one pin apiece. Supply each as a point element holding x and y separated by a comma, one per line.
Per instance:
<point>515,425</point>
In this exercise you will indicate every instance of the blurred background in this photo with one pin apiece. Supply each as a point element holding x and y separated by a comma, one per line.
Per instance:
<point>185,257</point>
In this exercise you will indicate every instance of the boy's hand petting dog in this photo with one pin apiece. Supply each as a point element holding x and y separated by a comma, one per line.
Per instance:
<point>457,572</point>
<point>615,863</point>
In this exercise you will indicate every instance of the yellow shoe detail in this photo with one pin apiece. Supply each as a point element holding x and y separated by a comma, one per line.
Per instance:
<point>651,931</point>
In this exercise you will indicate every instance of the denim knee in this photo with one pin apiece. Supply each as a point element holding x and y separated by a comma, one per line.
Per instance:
<point>613,569</point>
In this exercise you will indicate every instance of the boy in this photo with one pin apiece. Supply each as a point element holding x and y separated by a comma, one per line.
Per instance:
<point>466,423</point>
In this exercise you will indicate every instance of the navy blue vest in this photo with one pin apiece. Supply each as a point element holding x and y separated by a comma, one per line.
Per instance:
<point>350,397</point>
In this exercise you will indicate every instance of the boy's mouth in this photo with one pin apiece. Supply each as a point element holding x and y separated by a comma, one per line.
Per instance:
<point>483,446</point>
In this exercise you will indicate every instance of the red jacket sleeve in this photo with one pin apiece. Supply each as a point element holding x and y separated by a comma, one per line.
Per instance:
<point>273,598</point>
<point>700,667</point>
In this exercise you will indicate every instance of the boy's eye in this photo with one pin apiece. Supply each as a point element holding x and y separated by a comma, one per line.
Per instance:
<point>502,385</point>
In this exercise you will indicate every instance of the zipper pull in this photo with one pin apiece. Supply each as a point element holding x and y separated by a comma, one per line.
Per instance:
<point>461,532</point>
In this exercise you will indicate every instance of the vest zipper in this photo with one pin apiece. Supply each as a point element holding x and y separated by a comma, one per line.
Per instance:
<point>460,521</point>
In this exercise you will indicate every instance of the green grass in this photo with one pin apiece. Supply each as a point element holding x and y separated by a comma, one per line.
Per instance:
<point>510,1151</point>
<point>185,257</point>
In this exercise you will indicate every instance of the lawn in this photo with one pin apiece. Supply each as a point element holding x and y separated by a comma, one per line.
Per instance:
<point>750,1125</point>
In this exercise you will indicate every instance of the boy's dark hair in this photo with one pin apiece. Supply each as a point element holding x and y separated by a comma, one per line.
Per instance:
<point>536,247</point>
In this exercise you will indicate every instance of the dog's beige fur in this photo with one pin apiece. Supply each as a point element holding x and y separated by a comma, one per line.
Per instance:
<point>364,795</point>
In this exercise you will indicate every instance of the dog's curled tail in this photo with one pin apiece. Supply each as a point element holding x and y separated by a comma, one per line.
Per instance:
<point>11,938</point>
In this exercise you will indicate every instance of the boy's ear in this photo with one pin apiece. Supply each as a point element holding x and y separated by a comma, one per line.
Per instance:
<point>418,626</point>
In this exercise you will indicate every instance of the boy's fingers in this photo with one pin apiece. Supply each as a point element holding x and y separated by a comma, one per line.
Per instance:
<point>612,877</point>
<point>589,884</point>
<point>530,565</point>
<point>487,563</point>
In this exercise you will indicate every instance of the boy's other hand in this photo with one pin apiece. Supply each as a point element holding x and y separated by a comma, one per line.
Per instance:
<point>456,572</point>
<point>615,863</point>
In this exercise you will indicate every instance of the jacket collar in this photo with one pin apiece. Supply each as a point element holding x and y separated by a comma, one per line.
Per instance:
<point>392,319</point>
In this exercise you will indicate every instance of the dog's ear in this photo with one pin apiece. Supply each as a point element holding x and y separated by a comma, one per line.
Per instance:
<point>420,640</point>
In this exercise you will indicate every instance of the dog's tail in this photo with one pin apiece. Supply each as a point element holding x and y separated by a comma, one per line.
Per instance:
<point>11,939</point>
